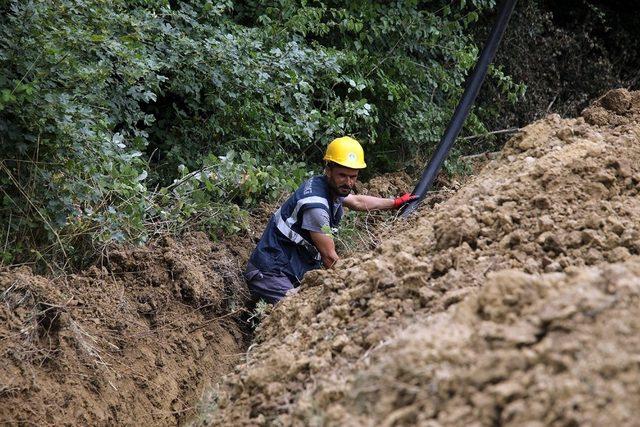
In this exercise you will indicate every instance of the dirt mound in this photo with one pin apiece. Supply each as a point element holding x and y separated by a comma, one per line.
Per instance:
<point>615,108</point>
<point>131,343</point>
<point>386,185</point>
<point>452,320</point>
<point>556,349</point>
<point>397,183</point>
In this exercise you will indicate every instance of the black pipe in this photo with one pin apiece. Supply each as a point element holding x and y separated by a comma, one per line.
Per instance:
<point>473,83</point>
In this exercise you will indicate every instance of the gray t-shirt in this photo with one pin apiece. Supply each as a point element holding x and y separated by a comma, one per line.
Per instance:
<point>317,219</point>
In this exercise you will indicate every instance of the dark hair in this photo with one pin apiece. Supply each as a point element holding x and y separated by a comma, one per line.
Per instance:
<point>330,165</point>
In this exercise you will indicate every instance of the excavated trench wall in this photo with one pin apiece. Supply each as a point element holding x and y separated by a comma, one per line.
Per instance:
<point>132,343</point>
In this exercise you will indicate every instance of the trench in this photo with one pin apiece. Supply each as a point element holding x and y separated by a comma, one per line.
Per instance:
<point>136,342</point>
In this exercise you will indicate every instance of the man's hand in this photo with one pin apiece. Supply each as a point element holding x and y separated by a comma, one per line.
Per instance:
<point>405,198</point>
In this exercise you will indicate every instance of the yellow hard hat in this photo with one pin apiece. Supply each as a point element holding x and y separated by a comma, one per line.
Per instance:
<point>347,152</point>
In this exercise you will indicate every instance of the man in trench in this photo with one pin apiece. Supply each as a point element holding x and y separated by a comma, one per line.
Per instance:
<point>298,237</point>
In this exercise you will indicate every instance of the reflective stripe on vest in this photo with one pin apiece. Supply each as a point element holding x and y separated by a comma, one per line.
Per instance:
<point>312,199</point>
<point>285,226</point>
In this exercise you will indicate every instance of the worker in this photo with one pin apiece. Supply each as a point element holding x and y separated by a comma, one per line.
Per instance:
<point>299,236</point>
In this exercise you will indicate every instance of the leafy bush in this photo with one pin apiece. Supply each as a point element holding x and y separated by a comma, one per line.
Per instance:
<point>403,66</point>
<point>120,119</point>
<point>217,195</point>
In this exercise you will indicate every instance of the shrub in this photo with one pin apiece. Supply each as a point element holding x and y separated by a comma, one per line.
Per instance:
<point>125,118</point>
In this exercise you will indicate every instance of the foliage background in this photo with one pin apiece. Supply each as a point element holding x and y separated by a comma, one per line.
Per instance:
<point>120,120</point>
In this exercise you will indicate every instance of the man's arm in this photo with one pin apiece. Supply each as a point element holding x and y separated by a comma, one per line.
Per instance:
<point>316,220</point>
<point>326,246</point>
<point>361,202</point>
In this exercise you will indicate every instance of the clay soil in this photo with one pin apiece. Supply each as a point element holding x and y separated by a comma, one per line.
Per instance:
<point>132,343</point>
<point>514,302</point>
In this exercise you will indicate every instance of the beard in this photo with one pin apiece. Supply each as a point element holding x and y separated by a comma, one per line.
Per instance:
<point>344,191</point>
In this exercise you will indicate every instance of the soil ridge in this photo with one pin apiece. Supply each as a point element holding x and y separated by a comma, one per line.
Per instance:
<point>512,302</point>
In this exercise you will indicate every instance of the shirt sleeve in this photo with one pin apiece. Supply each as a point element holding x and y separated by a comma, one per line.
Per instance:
<point>315,219</point>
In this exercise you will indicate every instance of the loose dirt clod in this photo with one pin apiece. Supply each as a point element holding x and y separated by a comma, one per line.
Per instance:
<point>133,343</point>
<point>513,302</point>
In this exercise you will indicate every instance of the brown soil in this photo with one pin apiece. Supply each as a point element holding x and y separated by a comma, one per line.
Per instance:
<point>132,343</point>
<point>513,302</point>
<point>387,185</point>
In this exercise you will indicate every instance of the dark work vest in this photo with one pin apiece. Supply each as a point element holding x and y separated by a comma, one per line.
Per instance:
<point>285,248</point>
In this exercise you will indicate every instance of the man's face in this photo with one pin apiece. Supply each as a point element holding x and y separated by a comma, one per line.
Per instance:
<point>341,180</point>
